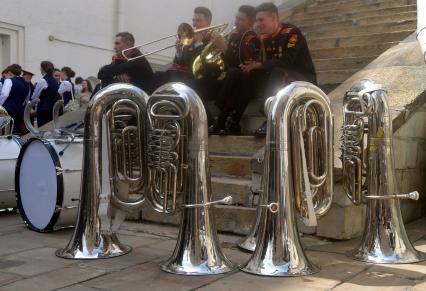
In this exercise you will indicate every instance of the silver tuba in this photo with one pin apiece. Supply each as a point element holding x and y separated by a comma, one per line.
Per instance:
<point>298,176</point>
<point>178,147</point>
<point>114,166</point>
<point>368,176</point>
<point>154,147</point>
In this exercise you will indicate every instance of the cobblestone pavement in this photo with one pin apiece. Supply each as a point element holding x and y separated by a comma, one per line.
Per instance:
<point>27,262</point>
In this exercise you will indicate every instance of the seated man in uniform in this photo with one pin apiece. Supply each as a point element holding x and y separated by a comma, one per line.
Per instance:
<point>237,88</point>
<point>186,54</point>
<point>181,69</point>
<point>137,72</point>
<point>286,56</point>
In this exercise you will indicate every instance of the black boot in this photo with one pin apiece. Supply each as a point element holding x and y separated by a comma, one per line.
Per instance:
<point>261,131</point>
<point>218,125</point>
<point>232,125</point>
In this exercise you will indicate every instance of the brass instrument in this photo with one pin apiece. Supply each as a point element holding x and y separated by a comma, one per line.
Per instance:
<point>210,59</point>
<point>6,122</point>
<point>369,178</point>
<point>155,147</point>
<point>185,34</point>
<point>298,176</point>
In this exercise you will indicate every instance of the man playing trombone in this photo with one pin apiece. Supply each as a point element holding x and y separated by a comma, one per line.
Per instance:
<point>186,54</point>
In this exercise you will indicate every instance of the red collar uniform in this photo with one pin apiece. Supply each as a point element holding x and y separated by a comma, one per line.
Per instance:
<point>287,49</point>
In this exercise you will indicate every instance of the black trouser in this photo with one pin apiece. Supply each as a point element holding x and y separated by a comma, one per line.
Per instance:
<point>17,120</point>
<point>43,117</point>
<point>236,92</point>
<point>205,88</point>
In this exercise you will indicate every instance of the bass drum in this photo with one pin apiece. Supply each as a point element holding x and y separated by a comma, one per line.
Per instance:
<point>48,179</point>
<point>9,151</point>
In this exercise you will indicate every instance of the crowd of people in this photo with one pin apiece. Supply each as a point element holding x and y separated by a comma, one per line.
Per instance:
<point>261,55</point>
<point>17,90</point>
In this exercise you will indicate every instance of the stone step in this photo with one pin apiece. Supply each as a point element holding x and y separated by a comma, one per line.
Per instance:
<point>409,25</point>
<point>250,123</point>
<point>238,188</point>
<point>342,63</point>
<point>234,219</point>
<point>352,51</point>
<point>360,40</point>
<point>230,166</point>
<point>356,11</point>
<point>334,76</point>
<point>234,145</point>
<point>324,6</point>
<point>393,18</point>
<point>390,14</point>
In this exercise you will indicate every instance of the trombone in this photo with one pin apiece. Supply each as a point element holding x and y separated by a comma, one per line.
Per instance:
<point>185,34</point>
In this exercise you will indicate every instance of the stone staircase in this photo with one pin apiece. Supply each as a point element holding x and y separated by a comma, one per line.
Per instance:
<point>343,36</point>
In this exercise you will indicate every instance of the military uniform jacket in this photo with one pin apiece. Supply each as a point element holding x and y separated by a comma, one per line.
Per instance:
<point>189,53</point>
<point>288,49</point>
<point>139,71</point>
<point>242,47</point>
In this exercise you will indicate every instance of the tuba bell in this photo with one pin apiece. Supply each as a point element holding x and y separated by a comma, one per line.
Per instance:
<point>298,174</point>
<point>369,178</point>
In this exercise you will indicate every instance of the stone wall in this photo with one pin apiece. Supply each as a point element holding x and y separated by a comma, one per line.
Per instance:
<point>402,72</point>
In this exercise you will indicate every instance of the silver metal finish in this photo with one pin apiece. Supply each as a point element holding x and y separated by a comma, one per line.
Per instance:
<point>197,251</point>
<point>369,177</point>
<point>6,122</point>
<point>27,118</point>
<point>300,122</point>
<point>155,147</point>
<point>94,236</point>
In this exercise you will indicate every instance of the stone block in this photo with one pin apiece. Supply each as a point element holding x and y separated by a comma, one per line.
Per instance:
<point>239,189</point>
<point>371,280</point>
<point>149,277</point>
<point>236,166</point>
<point>239,220</point>
<point>58,278</point>
<point>342,222</point>
<point>234,145</point>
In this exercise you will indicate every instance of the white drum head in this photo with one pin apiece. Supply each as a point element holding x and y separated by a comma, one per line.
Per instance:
<point>38,184</point>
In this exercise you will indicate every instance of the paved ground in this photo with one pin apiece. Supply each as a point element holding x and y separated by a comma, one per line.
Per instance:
<point>27,262</point>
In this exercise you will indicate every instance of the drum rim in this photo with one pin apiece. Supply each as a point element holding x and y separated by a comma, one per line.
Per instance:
<point>15,138</point>
<point>59,188</point>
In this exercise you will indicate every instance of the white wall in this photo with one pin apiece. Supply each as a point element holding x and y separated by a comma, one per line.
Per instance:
<point>81,32</point>
<point>75,21</point>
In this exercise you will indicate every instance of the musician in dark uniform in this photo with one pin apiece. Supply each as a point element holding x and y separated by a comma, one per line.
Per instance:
<point>181,68</point>
<point>285,55</point>
<point>13,94</point>
<point>237,86</point>
<point>47,91</point>
<point>137,72</point>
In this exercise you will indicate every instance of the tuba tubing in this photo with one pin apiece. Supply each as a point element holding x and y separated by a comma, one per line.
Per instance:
<point>278,251</point>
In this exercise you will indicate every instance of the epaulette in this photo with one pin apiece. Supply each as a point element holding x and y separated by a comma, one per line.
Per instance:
<point>249,38</point>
